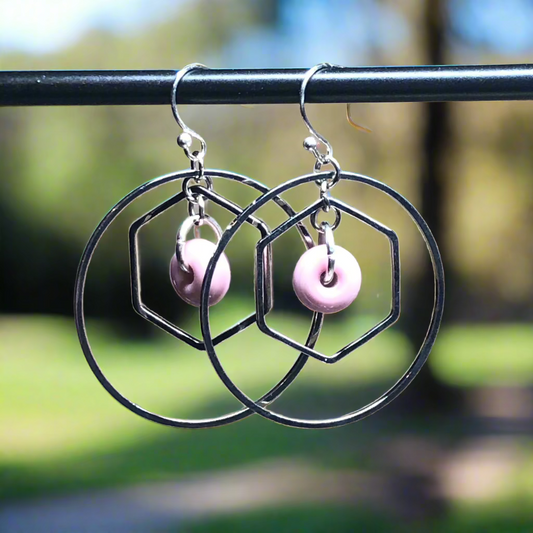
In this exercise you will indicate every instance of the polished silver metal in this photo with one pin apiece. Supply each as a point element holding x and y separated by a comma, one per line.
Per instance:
<point>434,324</point>
<point>153,317</point>
<point>81,279</point>
<point>325,236</point>
<point>196,157</point>
<point>312,143</point>
<point>197,178</point>
<point>199,166</point>
<point>185,138</point>
<point>325,194</point>
<point>313,216</point>
<point>395,309</point>
<point>308,143</point>
<point>332,179</point>
<point>197,207</point>
<point>194,221</point>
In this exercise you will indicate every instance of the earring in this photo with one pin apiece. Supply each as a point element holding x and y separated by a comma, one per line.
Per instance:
<point>327,278</point>
<point>189,260</point>
<point>188,264</point>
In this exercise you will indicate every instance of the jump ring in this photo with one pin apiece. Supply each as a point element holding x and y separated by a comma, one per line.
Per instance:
<point>336,171</point>
<point>191,181</point>
<point>197,207</point>
<point>325,236</point>
<point>195,222</point>
<point>197,163</point>
<point>318,226</point>
<point>325,195</point>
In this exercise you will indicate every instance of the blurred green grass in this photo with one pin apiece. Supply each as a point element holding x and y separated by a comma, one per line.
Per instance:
<point>343,519</point>
<point>46,382</point>
<point>485,355</point>
<point>61,432</point>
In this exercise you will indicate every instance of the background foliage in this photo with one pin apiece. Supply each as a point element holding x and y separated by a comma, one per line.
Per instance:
<point>453,453</point>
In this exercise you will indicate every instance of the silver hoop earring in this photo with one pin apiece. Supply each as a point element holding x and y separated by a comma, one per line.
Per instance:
<point>323,263</point>
<point>189,263</point>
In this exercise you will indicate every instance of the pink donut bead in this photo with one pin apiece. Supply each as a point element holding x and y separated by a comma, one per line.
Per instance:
<point>308,274</point>
<point>196,254</point>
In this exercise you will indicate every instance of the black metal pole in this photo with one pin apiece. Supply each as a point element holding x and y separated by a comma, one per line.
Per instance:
<point>367,84</point>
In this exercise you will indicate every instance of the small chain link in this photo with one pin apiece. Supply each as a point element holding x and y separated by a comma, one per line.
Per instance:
<point>318,225</point>
<point>198,166</point>
<point>325,236</point>
<point>325,195</point>
<point>197,207</point>
<point>334,179</point>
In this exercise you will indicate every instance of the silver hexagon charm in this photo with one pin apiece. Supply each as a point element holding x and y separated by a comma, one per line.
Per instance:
<point>135,269</point>
<point>261,274</point>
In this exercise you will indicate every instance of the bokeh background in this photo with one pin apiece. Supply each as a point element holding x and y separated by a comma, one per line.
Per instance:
<point>453,453</point>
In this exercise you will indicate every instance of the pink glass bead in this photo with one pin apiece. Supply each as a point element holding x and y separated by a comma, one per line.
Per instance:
<point>196,254</point>
<point>308,275</point>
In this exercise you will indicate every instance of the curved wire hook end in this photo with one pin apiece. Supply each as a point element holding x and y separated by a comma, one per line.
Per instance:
<point>185,139</point>
<point>354,124</point>
<point>311,143</point>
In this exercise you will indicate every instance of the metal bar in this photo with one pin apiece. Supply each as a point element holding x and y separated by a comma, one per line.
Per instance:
<point>366,84</point>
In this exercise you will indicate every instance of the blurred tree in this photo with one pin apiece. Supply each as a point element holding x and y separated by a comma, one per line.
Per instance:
<point>28,255</point>
<point>429,393</point>
<point>60,166</point>
<point>268,11</point>
<point>57,164</point>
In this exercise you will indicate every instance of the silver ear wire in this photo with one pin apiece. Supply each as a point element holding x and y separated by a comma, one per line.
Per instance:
<point>185,139</point>
<point>311,143</point>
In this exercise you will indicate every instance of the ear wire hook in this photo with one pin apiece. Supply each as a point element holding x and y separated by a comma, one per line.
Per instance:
<point>311,143</point>
<point>185,138</point>
<point>308,144</point>
<point>352,123</point>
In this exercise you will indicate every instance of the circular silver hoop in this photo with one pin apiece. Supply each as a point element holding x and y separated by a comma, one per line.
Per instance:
<point>79,314</point>
<point>416,365</point>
